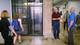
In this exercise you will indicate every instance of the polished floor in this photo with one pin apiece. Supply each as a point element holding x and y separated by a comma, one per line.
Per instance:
<point>39,40</point>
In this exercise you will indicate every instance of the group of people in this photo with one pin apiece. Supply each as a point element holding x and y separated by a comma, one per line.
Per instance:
<point>10,30</point>
<point>7,28</point>
<point>71,21</point>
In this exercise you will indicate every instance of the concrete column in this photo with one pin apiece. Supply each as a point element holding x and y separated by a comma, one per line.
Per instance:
<point>47,15</point>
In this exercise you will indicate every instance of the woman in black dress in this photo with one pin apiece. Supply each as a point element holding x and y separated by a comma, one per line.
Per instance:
<point>6,28</point>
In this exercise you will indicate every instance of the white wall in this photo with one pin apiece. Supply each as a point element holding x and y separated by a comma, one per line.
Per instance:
<point>75,4</point>
<point>5,5</point>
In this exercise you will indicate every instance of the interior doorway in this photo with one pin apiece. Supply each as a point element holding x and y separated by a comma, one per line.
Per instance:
<point>31,14</point>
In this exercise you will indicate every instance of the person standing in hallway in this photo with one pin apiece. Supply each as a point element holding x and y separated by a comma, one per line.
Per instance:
<point>6,28</point>
<point>17,25</point>
<point>71,25</point>
<point>65,19</point>
<point>56,22</point>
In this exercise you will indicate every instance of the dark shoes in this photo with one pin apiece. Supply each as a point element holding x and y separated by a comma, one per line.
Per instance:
<point>57,38</point>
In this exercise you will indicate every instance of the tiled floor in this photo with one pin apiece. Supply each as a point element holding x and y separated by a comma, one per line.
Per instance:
<point>38,40</point>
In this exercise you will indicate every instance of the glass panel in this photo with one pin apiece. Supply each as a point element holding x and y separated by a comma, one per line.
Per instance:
<point>36,16</point>
<point>31,14</point>
<point>18,6</point>
<point>38,19</point>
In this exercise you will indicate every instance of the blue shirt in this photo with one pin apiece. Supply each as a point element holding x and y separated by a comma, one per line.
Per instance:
<point>72,17</point>
<point>16,24</point>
